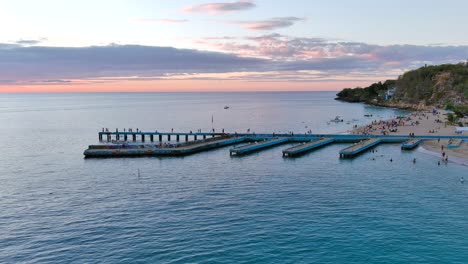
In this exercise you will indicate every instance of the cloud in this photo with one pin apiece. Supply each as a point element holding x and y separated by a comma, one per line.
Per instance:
<point>164,20</point>
<point>283,48</point>
<point>38,63</point>
<point>269,24</point>
<point>215,8</point>
<point>354,61</point>
<point>29,42</point>
<point>271,57</point>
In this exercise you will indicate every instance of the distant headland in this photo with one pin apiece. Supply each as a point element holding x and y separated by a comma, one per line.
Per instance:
<point>441,86</point>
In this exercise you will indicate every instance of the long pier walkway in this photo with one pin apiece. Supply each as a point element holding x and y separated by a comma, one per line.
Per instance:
<point>130,143</point>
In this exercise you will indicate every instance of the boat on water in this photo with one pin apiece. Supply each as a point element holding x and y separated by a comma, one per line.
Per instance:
<point>337,119</point>
<point>368,115</point>
<point>226,107</point>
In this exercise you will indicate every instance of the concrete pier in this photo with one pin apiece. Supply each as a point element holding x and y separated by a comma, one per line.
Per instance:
<point>242,150</point>
<point>306,147</point>
<point>138,150</point>
<point>359,147</point>
<point>113,146</point>
<point>411,144</point>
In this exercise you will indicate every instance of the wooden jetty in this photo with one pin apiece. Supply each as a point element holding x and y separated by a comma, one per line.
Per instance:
<point>249,148</point>
<point>411,144</point>
<point>359,147</point>
<point>306,147</point>
<point>134,144</point>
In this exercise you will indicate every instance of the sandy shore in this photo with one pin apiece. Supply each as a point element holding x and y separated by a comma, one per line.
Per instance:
<point>422,123</point>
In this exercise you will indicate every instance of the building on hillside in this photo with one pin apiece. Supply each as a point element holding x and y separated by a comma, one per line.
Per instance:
<point>389,93</point>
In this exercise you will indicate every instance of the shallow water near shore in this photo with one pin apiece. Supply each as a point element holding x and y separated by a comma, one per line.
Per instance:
<point>212,208</point>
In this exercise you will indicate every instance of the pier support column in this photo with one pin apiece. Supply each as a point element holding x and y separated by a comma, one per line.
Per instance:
<point>108,137</point>
<point>186,138</point>
<point>195,137</point>
<point>168,137</point>
<point>125,137</point>
<point>117,136</point>
<point>152,138</point>
<point>134,137</point>
<point>100,137</point>
<point>142,137</point>
<point>160,137</point>
<point>212,135</point>
<point>178,137</point>
<point>204,136</point>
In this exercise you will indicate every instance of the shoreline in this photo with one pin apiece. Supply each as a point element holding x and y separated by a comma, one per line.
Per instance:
<point>454,159</point>
<point>421,123</point>
<point>401,106</point>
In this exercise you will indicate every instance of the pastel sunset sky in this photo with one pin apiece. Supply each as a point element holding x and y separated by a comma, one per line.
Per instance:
<point>244,45</point>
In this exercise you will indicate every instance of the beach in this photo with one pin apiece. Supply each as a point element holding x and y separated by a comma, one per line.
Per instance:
<point>422,123</point>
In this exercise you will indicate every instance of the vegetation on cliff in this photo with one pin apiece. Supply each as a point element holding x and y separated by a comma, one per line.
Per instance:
<point>442,86</point>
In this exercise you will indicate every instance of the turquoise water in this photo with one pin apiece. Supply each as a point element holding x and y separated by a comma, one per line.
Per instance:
<point>212,208</point>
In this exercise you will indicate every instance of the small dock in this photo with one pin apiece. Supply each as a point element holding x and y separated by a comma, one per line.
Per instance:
<point>455,143</point>
<point>359,147</point>
<point>306,147</point>
<point>411,144</point>
<point>255,146</point>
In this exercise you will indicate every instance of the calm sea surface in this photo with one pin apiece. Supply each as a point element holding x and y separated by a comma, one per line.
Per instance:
<point>56,206</point>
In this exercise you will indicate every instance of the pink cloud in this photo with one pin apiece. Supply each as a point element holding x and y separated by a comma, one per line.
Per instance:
<point>215,8</point>
<point>269,24</point>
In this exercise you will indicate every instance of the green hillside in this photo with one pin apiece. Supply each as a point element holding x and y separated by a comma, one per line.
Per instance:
<point>441,86</point>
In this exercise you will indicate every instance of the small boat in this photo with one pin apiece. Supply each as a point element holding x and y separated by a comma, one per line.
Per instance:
<point>368,115</point>
<point>337,119</point>
<point>226,107</point>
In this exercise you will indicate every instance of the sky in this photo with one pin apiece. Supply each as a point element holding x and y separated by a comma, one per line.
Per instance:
<point>243,45</point>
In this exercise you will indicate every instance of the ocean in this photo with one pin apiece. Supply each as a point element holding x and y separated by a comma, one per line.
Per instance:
<point>57,207</point>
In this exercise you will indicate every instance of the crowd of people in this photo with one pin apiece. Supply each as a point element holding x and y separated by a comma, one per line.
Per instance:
<point>385,127</point>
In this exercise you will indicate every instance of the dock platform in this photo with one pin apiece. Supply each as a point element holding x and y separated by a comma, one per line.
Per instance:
<point>411,144</point>
<point>138,150</point>
<point>306,147</point>
<point>455,143</point>
<point>242,150</point>
<point>359,147</point>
